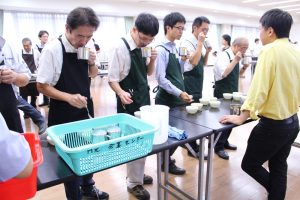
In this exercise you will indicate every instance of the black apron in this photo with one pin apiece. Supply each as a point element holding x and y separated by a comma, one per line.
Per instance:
<point>135,83</point>
<point>193,80</point>
<point>229,84</point>
<point>8,107</point>
<point>74,79</point>
<point>39,48</point>
<point>173,74</point>
<point>30,89</point>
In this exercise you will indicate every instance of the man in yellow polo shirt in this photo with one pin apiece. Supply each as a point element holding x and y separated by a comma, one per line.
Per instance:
<point>274,96</point>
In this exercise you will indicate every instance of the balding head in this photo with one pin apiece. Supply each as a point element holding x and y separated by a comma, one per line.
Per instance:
<point>240,44</point>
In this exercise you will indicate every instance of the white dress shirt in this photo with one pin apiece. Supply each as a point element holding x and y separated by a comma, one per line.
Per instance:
<point>222,63</point>
<point>191,44</point>
<point>51,60</point>
<point>119,59</point>
<point>14,152</point>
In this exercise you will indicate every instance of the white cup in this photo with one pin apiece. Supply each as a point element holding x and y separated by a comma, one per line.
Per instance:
<point>207,44</point>
<point>146,52</point>
<point>183,51</point>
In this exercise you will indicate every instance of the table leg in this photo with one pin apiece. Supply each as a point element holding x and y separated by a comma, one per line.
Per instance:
<point>159,155</point>
<point>201,169</point>
<point>166,166</point>
<point>209,166</point>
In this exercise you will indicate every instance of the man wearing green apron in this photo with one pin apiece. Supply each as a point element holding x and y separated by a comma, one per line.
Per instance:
<point>66,80</point>
<point>128,78</point>
<point>169,72</point>
<point>226,73</point>
<point>193,68</point>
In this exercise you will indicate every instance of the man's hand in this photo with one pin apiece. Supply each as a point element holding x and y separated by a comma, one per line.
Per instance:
<point>78,101</point>
<point>8,76</point>
<point>125,97</point>
<point>92,58</point>
<point>186,97</point>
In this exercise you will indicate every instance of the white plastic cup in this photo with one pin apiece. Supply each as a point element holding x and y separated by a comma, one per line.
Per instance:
<point>146,52</point>
<point>157,116</point>
<point>183,51</point>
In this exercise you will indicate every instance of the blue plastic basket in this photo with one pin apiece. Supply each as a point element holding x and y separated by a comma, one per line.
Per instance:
<point>73,142</point>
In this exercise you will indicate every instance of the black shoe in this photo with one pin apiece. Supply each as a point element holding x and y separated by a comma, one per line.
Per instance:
<point>94,193</point>
<point>223,154</point>
<point>173,169</point>
<point>139,192</point>
<point>230,146</point>
<point>147,179</point>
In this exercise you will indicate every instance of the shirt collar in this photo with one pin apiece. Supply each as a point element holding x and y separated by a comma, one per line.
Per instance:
<point>130,41</point>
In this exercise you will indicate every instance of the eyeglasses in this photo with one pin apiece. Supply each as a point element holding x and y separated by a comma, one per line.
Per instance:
<point>145,39</point>
<point>180,28</point>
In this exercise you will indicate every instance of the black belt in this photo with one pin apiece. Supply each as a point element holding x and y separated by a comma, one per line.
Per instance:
<point>286,121</point>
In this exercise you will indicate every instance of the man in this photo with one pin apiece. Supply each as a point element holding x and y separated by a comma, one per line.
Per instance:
<point>193,75</point>
<point>169,71</point>
<point>31,58</point>
<point>128,78</point>
<point>15,152</point>
<point>65,79</point>
<point>12,73</point>
<point>227,71</point>
<point>43,37</point>
<point>275,97</point>
<point>255,52</point>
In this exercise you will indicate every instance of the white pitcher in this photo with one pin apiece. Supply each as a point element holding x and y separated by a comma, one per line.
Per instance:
<point>158,116</point>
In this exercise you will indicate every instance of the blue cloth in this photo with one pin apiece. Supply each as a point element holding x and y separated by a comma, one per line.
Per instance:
<point>177,133</point>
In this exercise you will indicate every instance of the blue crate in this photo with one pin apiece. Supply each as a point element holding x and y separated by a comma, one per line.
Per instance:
<point>73,142</point>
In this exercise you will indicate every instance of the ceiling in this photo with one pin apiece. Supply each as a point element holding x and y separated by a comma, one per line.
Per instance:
<point>243,9</point>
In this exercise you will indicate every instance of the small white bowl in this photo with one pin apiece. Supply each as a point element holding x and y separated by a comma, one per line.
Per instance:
<point>227,95</point>
<point>213,99</point>
<point>215,104</point>
<point>204,101</point>
<point>243,98</point>
<point>50,141</point>
<point>199,105</point>
<point>137,114</point>
<point>236,97</point>
<point>191,109</point>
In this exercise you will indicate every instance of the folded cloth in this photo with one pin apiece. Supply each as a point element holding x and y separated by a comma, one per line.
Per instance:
<point>177,133</point>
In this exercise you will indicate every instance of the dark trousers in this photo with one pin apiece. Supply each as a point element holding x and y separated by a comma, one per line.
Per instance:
<point>223,140</point>
<point>72,188</point>
<point>270,141</point>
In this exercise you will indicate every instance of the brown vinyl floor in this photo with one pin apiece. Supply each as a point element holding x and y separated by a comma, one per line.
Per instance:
<point>229,182</point>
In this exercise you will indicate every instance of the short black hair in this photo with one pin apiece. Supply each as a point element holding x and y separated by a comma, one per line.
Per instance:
<point>42,32</point>
<point>147,24</point>
<point>256,40</point>
<point>281,22</point>
<point>81,16</point>
<point>172,19</point>
<point>26,40</point>
<point>199,20</point>
<point>227,38</point>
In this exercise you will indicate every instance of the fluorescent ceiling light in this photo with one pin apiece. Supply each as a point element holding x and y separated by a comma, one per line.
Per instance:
<point>292,9</point>
<point>250,1</point>
<point>278,2</point>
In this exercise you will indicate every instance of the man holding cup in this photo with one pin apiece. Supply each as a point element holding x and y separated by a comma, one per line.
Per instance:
<point>130,63</point>
<point>169,70</point>
<point>227,70</point>
<point>193,68</point>
<point>65,79</point>
<point>274,97</point>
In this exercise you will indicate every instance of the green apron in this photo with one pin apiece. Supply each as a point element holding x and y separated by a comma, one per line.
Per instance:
<point>229,84</point>
<point>173,74</point>
<point>193,80</point>
<point>135,83</point>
